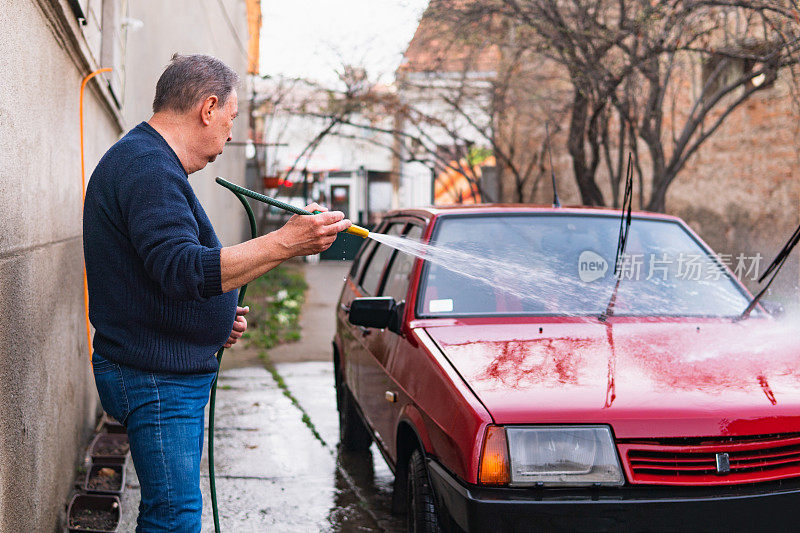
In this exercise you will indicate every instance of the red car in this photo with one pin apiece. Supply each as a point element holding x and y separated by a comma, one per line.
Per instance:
<point>527,377</point>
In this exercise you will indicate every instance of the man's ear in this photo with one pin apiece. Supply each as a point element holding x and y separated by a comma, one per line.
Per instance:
<point>210,105</point>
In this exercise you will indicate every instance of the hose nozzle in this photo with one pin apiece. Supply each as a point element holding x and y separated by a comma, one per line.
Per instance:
<point>358,231</point>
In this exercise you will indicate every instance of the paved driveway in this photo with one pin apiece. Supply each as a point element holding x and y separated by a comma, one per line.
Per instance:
<point>277,463</point>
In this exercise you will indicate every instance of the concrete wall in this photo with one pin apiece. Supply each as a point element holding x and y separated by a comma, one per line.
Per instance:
<point>48,403</point>
<point>188,27</point>
<point>47,398</point>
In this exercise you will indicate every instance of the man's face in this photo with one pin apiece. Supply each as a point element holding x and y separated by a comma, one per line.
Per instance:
<point>221,125</point>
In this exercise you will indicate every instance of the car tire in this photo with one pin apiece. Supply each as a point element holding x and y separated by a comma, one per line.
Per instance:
<point>354,436</point>
<point>420,504</point>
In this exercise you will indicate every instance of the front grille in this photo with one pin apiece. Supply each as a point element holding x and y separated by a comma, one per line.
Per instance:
<point>684,462</point>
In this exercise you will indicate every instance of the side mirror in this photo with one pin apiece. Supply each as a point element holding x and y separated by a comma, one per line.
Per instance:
<point>380,312</point>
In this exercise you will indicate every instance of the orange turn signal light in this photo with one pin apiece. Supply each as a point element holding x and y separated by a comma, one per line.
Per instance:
<point>494,469</point>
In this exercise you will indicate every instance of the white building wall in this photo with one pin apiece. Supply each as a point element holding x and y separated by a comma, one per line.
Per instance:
<point>334,151</point>
<point>428,94</point>
<point>416,186</point>
<point>194,27</point>
<point>48,403</point>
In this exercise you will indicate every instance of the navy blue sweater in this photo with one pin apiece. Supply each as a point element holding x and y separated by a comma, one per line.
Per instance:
<point>152,261</point>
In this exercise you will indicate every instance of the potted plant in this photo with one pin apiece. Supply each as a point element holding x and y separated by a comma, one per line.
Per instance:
<point>110,425</point>
<point>109,448</point>
<point>105,479</point>
<point>93,513</point>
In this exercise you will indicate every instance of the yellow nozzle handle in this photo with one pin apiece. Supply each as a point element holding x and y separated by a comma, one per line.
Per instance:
<point>358,231</point>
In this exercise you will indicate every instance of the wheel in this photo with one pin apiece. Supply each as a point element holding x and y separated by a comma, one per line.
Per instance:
<point>354,436</point>
<point>421,508</point>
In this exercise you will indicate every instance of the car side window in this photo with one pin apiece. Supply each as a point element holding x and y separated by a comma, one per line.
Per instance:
<point>363,254</point>
<point>399,275</point>
<point>372,272</point>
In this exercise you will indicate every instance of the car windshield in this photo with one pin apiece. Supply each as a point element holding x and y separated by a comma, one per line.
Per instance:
<point>533,264</point>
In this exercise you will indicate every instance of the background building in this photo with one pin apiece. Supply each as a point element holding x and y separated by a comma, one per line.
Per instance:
<point>308,149</point>
<point>740,190</point>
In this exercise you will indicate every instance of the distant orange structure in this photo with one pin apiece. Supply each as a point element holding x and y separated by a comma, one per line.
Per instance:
<point>254,35</point>
<point>453,187</point>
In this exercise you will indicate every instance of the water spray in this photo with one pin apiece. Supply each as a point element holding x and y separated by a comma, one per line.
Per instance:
<point>773,269</point>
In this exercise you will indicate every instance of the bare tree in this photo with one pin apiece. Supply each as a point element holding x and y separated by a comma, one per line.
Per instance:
<point>624,60</point>
<point>486,96</point>
<point>489,91</point>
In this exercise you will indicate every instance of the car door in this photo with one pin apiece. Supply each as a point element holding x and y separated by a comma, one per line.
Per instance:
<point>367,283</point>
<point>378,390</point>
<point>349,335</point>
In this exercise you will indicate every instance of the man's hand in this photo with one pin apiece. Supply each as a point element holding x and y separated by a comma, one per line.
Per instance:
<point>301,235</point>
<point>312,234</point>
<point>239,326</point>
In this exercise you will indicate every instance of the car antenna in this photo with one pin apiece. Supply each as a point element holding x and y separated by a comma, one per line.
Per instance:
<point>556,201</point>
<point>773,268</point>
<point>622,241</point>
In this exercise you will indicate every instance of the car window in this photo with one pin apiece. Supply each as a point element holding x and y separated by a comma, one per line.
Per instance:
<point>373,270</point>
<point>564,265</point>
<point>396,284</point>
<point>363,254</point>
<point>361,257</point>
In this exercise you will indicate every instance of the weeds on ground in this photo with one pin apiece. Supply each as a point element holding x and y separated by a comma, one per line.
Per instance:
<point>270,366</point>
<point>275,300</point>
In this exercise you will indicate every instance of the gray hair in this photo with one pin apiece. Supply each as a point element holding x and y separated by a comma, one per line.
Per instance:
<point>190,79</point>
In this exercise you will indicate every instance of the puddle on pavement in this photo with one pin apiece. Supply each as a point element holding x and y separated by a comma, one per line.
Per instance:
<point>363,495</point>
<point>273,474</point>
<point>362,482</point>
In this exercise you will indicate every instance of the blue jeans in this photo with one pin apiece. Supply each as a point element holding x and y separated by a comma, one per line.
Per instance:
<point>164,415</point>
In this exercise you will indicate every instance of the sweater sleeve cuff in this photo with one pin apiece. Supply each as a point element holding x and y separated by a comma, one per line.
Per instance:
<point>212,273</point>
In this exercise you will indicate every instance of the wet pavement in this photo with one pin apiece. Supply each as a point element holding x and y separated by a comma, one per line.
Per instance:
<point>318,319</point>
<point>277,464</point>
<point>278,470</point>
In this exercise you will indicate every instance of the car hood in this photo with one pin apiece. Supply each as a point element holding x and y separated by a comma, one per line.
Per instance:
<point>645,378</point>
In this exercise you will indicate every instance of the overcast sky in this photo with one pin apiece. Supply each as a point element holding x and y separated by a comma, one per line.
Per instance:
<point>311,38</point>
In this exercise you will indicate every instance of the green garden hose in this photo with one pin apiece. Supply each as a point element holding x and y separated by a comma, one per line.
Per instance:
<point>212,402</point>
<point>240,193</point>
<point>236,189</point>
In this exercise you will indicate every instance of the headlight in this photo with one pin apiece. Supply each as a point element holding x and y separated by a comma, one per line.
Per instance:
<point>563,455</point>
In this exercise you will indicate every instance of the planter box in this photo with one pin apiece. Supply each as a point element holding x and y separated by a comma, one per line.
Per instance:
<point>112,426</point>
<point>89,510</point>
<point>107,449</point>
<point>97,483</point>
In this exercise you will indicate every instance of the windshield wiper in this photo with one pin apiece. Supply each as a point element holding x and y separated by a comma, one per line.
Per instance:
<point>773,268</point>
<point>556,201</point>
<point>622,240</point>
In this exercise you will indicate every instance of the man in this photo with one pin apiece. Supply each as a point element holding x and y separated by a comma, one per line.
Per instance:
<point>162,292</point>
